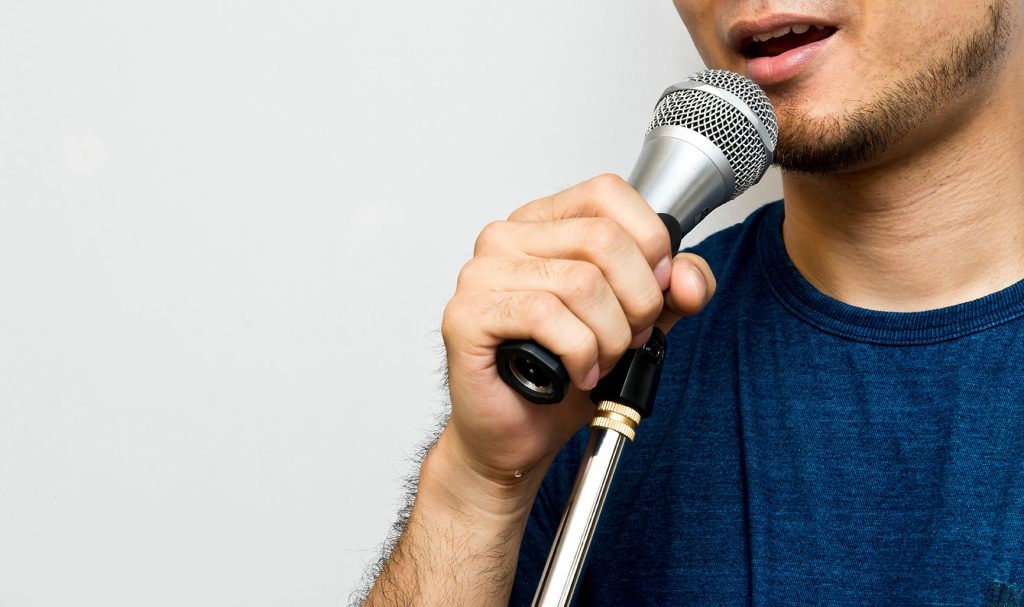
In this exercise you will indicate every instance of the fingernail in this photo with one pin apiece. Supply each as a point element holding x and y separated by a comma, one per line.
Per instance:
<point>699,282</point>
<point>641,338</point>
<point>590,380</point>
<point>663,272</point>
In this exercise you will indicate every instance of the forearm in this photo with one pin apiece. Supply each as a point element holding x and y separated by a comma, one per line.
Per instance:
<point>461,544</point>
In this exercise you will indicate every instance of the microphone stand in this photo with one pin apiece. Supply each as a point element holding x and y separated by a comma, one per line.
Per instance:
<point>623,398</point>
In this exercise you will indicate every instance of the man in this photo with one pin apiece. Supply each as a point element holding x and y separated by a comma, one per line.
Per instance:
<point>842,424</point>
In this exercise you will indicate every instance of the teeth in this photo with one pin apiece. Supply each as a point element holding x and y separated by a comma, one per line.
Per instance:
<point>801,28</point>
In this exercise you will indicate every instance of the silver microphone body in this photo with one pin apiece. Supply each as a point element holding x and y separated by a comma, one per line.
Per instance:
<point>712,137</point>
<point>681,173</point>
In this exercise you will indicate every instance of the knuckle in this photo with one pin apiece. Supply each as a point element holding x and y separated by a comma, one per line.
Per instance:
<point>541,307</point>
<point>454,312</point>
<point>489,237</point>
<point>585,345</point>
<point>653,237</point>
<point>646,307</point>
<point>603,235</point>
<point>468,274</point>
<point>609,184</point>
<point>582,281</point>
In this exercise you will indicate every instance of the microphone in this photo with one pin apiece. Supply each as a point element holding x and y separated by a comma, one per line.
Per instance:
<point>713,135</point>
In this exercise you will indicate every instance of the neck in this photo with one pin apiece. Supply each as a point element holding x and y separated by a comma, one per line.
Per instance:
<point>935,227</point>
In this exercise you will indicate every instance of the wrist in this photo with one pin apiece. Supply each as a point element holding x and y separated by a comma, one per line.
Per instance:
<point>450,479</point>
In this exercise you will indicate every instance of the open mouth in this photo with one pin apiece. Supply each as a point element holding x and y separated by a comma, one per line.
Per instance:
<point>785,39</point>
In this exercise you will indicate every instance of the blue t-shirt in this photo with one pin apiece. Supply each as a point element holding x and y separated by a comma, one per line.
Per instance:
<point>806,452</point>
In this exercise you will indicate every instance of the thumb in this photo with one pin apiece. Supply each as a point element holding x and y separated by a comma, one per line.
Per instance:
<point>689,289</point>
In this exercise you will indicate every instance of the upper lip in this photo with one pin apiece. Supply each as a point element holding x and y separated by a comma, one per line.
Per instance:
<point>742,32</point>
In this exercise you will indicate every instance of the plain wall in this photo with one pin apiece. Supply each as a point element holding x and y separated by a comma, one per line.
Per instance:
<point>227,233</point>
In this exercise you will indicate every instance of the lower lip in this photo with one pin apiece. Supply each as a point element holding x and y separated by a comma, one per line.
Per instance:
<point>767,71</point>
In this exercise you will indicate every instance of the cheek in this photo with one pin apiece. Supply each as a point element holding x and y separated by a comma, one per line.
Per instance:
<point>699,18</point>
<point>913,33</point>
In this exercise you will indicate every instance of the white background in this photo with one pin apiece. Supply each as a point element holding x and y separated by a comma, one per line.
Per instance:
<point>227,233</point>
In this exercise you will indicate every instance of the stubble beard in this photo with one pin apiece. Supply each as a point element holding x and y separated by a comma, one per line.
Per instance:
<point>850,140</point>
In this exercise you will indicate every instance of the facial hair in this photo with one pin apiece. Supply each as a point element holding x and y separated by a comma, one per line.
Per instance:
<point>848,141</point>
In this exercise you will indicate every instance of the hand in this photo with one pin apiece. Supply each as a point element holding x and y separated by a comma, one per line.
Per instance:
<point>587,274</point>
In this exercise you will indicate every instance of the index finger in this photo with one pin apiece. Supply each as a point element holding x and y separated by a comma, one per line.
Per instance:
<point>605,196</point>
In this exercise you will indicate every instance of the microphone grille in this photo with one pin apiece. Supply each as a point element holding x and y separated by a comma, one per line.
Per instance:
<point>725,125</point>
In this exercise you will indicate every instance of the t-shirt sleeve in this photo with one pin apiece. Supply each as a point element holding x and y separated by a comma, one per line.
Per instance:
<point>545,517</point>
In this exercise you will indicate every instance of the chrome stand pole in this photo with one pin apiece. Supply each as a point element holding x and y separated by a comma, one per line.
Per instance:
<point>624,396</point>
<point>572,541</point>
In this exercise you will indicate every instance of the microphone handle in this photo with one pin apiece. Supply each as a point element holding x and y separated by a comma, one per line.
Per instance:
<point>534,371</point>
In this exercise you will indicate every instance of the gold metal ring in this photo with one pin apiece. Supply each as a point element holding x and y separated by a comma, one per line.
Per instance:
<point>617,417</point>
<point>621,409</point>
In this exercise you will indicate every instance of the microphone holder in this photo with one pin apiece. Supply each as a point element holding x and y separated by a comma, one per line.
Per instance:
<point>623,398</point>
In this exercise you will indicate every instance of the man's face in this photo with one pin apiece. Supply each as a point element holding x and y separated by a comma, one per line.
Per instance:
<point>854,81</point>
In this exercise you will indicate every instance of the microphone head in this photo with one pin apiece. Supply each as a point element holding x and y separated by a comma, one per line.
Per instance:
<point>730,111</point>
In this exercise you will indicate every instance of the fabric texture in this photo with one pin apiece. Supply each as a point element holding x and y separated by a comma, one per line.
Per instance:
<point>806,452</point>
